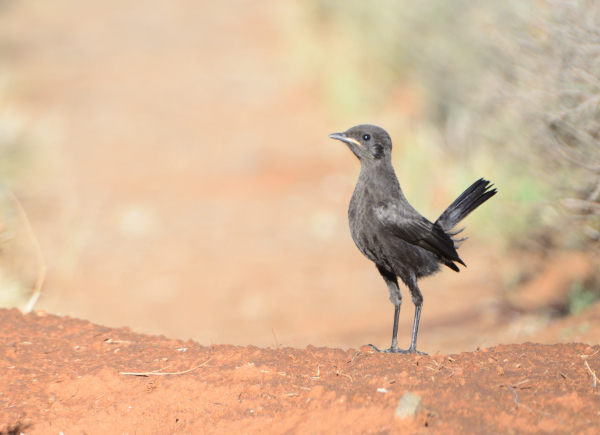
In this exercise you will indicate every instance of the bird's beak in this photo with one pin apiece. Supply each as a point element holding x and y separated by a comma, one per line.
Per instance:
<point>344,138</point>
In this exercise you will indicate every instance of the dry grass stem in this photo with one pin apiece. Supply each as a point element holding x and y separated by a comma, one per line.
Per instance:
<point>592,373</point>
<point>158,372</point>
<point>37,289</point>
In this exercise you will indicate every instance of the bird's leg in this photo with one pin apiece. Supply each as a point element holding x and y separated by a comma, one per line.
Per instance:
<point>395,330</point>
<point>417,298</point>
<point>413,342</point>
<point>396,299</point>
<point>393,348</point>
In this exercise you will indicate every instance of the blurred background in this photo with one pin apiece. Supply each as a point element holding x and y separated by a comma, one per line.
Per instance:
<point>165,165</point>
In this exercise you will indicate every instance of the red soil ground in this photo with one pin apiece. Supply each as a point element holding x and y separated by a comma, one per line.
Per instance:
<point>64,375</point>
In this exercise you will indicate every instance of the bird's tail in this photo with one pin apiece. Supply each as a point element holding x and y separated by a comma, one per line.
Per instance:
<point>479,192</point>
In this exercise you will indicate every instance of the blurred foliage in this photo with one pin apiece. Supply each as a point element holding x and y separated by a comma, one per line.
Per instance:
<point>14,152</point>
<point>437,46</point>
<point>581,298</point>
<point>550,99</point>
<point>508,90</point>
<point>18,265</point>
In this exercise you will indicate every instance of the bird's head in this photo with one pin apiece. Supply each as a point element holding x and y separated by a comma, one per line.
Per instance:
<point>368,142</point>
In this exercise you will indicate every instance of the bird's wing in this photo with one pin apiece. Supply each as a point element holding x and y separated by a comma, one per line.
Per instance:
<point>405,222</point>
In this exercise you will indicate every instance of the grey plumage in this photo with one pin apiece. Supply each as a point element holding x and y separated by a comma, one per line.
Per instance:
<point>391,233</point>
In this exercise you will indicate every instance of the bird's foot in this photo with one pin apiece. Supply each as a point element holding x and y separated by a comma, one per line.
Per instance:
<point>396,350</point>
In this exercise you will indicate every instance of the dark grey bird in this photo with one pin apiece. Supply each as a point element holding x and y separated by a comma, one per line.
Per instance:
<point>391,233</point>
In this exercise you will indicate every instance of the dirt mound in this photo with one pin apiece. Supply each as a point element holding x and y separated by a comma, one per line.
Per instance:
<point>71,376</point>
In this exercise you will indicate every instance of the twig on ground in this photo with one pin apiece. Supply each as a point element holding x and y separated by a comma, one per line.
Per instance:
<point>516,396</point>
<point>318,373</point>
<point>157,372</point>
<point>339,373</point>
<point>479,345</point>
<point>522,382</point>
<point>514,392</point>
<point>589,356</point>
<point>592,373</point>
<point>520,405</point>
<point>354,357</point>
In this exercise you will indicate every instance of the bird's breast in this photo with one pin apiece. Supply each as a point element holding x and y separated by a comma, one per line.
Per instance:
<point>365,228</point>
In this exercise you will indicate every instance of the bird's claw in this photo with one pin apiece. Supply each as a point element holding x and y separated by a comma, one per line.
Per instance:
<point>396,350</point>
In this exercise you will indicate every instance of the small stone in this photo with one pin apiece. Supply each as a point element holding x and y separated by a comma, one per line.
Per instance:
<point>409,406</point>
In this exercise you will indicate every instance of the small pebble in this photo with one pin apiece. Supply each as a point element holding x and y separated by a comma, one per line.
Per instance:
<point>409,406</point>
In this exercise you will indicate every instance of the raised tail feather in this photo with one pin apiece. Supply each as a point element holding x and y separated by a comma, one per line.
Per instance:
<point>478,193</point>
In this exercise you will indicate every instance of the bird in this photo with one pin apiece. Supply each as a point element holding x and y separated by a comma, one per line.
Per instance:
<point>392,234</point>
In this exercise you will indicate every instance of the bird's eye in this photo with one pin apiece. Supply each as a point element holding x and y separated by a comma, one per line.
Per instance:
<point>366,136</point>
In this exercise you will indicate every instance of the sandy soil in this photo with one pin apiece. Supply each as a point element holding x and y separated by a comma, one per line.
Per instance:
<point>71,376</point>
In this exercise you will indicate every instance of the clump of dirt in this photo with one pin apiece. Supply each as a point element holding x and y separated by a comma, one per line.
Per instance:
<point>61,374</point>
